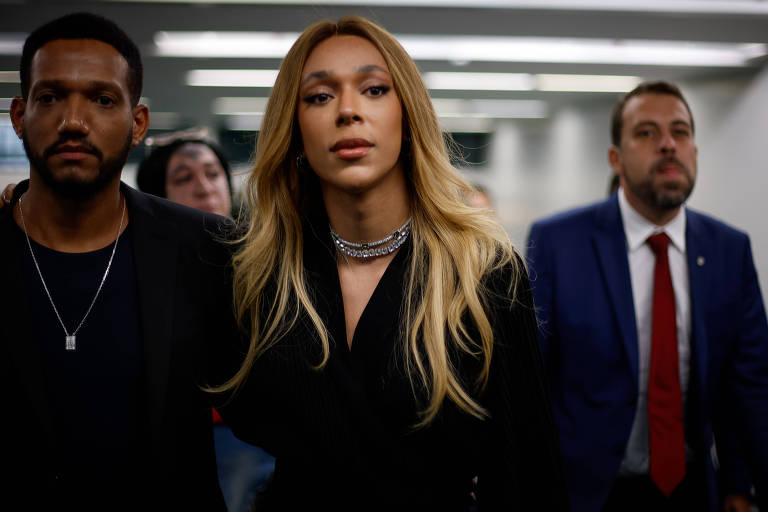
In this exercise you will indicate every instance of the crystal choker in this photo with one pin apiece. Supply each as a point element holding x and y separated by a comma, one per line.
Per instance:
<point>364,250</point>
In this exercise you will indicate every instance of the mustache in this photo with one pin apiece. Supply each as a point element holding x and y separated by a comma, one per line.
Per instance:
<point>669,160</point>
<point>82,143</point>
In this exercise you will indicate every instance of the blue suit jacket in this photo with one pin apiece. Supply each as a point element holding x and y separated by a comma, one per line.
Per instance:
<point>583,295</point>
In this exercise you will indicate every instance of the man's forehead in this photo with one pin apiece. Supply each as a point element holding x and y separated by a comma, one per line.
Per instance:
<point>649,106</point>
<point>76,54</point>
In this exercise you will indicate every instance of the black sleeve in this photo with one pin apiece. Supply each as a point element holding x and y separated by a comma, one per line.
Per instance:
<point>520,466</point>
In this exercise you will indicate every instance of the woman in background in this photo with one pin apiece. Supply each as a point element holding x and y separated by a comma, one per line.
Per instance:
<point>193,171</point>
<point>393,357</point>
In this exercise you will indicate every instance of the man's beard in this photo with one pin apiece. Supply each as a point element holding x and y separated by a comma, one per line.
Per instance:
<point>76,189</point>
<point>662,197</point>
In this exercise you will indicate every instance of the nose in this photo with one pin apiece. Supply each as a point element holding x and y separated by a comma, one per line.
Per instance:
<point>349,108</point>
<point>74,116</point>
<point>203,185</point>
<point>667,144</point>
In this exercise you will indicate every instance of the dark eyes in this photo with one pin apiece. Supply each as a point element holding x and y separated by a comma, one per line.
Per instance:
<point>317,99</point>
<point>374,91</point>
<point>105,101</point>
<point>46,99</point>
<point>377,90</point>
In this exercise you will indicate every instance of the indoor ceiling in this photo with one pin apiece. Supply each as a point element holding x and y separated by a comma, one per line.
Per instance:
<point>561,27</point>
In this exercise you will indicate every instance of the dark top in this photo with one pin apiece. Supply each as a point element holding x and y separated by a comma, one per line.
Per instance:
<point>343,435</point>
<point>94,391</point>
<point>183,295</point>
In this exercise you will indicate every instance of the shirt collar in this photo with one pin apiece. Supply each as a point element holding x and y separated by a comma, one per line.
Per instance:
<point>637,228</point>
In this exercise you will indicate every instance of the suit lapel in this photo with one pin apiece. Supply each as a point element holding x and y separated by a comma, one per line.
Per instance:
<point>17,332</point>
<point>156,255</point>
<point>699,251</point>
<point>610,246</point>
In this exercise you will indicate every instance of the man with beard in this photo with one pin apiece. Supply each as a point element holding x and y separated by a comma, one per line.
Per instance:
<point>653,330</point>
<point>113,296</point>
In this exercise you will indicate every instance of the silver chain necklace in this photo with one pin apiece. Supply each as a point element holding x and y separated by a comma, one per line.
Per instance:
<point>364,250</point>
<point>69,339</point>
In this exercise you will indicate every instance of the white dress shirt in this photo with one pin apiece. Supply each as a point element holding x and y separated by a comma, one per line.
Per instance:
<point>642,262</point>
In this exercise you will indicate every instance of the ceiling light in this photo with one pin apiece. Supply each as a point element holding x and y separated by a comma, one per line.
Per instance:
<point>224,44</point>
<point>586,83</point>
<point>239,106</point>
<point>680,6</point>
<point>481,49</point>
<point>12,43</point>
<point>479,81</point>
<point>10,77</point>
<point>528,82</point>
<point>232,77</point>
<point>489,109</point>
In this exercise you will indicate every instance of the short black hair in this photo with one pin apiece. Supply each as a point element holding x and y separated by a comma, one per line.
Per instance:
<point>654,87</point>
<point>150,177</point>
<point>84,25</point>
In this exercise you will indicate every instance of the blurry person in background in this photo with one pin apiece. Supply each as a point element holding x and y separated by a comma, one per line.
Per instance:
<point>189,169</point>
<point>479,197</point>
<point>192,172</point>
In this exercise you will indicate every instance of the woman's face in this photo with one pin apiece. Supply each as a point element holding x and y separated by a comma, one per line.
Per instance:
<point>194,177</point>
<point>350,116</point>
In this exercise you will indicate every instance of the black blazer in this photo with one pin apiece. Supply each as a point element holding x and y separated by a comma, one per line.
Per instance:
<point>185,306</point>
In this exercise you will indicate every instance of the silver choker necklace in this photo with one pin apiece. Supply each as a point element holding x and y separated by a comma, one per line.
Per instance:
<point>366,250</point>
<point>69,339</point>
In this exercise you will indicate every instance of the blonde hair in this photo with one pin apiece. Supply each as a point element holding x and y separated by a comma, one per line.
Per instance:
<point>454,246</point>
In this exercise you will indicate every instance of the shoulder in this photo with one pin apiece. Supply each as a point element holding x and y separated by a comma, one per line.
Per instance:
<point>578,218</point>
<point>178,220</point>
<point>705,225</point>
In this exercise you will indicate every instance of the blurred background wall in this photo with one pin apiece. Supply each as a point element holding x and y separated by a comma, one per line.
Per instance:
<point>538,145</point>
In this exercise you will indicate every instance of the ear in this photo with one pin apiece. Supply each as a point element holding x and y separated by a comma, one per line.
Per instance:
<point>140,123</point>
<point>18,106</point>
<point>615,159</point>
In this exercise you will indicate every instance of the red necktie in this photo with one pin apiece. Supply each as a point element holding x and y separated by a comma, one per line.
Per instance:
<point>665,400</point>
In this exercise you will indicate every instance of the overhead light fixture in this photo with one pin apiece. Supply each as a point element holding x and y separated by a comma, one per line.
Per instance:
<point>490,109</point>
<point>478,81</point>
<point>679,6</point>
<point>239,106</point>
<point>11,43</point>
<point>224,44</point>
<point>232,77</point>
<point>529,82</point>
<point>481,49</point>
<point>586,83</point>
<point>10,77</point>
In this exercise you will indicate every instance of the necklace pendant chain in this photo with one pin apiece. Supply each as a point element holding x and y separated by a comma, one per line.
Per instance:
<point>365,250</point>
<point>70,340</point>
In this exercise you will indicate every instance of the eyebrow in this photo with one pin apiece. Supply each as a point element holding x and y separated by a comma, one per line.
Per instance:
<point>368,68</point>
<point>93,85</point>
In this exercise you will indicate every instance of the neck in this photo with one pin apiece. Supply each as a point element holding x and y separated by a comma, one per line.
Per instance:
<point>367,217</point>
<point>69,225</point>
<point>656,216</point>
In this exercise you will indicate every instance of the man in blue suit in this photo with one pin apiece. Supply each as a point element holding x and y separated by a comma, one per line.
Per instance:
<point>617,304</point>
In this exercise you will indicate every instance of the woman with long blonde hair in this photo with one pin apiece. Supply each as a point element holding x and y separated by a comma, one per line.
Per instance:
<point>393,359</point>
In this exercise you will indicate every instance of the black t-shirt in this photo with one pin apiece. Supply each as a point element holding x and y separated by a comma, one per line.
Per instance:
<point>94,391</point>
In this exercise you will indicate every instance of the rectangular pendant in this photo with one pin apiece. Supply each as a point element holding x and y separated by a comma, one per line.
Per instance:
<point>70,342</point>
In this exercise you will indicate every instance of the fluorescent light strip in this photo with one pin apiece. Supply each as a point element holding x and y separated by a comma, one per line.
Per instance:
<point>239,106</point>
<point>478,81</point>
<point>5,104</point>
<point>224,44</point>
<point>490,109</point>
<point>529,82</point>
<point>231,77</point>
<point>12,43</point>
<point>10,77</point>
<point>680,6</point>
<point>480,49</point>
